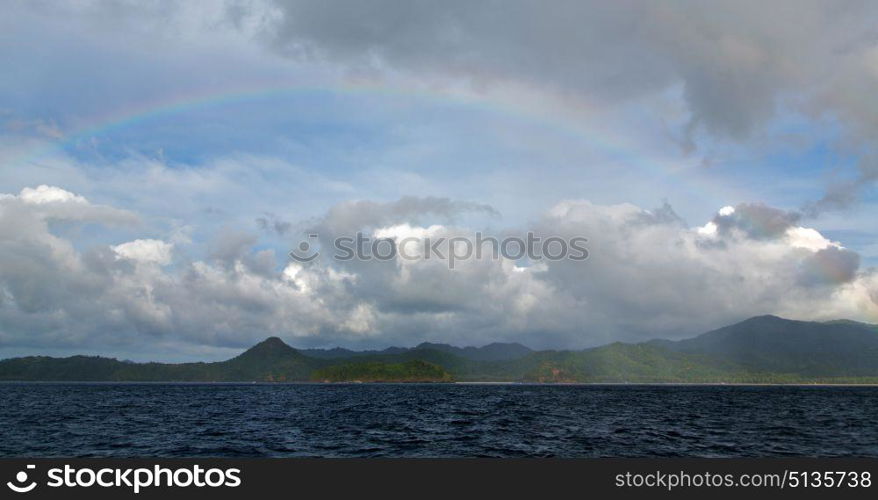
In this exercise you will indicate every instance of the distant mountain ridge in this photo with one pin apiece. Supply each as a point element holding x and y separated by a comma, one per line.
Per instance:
<point>342,353</point>
<point>763,349</point>
<point>833,348</point>
<point>496,351</point>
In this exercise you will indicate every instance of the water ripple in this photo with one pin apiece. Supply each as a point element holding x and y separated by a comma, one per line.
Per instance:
<point>365,420</point>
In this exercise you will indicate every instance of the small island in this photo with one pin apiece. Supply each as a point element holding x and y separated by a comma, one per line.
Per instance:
<point>410,371</point>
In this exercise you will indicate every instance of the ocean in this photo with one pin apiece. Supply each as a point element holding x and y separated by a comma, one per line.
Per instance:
<point>435,420</point>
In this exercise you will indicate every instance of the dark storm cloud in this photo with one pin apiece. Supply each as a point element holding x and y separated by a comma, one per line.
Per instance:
<point>273,224</point>
<point>732,58</point>
<point>757,221</point>
<point>830,266</point>
<point>348,217</point>
<point>844,194</point>
<point>734,63</point>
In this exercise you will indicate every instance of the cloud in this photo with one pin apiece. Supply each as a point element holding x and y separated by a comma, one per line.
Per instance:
<point>648,275</point>
<point>49,194</point>
<point>197,272</point>
<point>348,217</point>
<point>734,64</point>
<point>48,286</point>
<point>46,203</point>
<point>734,60</point>
<point>272,223</point>
<point>756,220</point>
<point>150,251</point>
<point>842,195</point>
<point>711,70</point>
<point>830,264</point>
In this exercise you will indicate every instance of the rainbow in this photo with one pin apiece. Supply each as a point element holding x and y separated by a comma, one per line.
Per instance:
<point>586,131</point>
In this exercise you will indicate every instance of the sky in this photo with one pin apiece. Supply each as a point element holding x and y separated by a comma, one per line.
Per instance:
<point>158,161</point>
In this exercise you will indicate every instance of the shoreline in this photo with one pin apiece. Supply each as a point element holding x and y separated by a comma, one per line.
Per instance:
<point>483,383</point>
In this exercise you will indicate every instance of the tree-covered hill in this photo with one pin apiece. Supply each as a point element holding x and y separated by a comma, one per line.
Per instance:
<point>764,349</point>
<point>374,371</point>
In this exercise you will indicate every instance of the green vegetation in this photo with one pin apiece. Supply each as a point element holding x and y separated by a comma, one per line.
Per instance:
<point>409,371</point>
<point>269,361</point>
<point>619,362</point>
<point>764,349</point>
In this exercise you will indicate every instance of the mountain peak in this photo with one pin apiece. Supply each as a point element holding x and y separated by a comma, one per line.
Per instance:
<point>765,317</point>
<point>273,342</point>
<point>272,347</point>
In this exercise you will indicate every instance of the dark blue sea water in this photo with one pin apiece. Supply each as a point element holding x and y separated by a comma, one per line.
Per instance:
<point>215,420</point>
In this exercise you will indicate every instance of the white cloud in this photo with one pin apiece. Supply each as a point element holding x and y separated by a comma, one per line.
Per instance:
<point>49,194</point>
<point>151,251</point>
<point>361,320</point>
<point>708,229</point>
<point>402,231</point>
<point>804,237</point>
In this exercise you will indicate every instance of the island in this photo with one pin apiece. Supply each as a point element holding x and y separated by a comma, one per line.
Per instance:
<point>759,350</point>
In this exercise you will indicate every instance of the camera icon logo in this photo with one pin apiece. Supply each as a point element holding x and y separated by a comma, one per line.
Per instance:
<point>305,252</point>
<point>21,478</point>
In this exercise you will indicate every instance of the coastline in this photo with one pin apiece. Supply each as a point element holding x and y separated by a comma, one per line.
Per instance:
<point>464,383</point>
